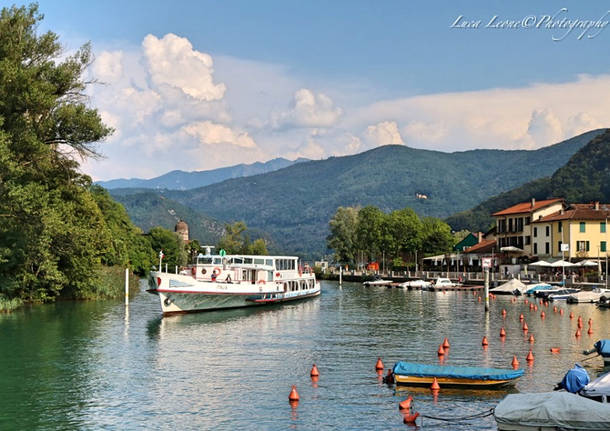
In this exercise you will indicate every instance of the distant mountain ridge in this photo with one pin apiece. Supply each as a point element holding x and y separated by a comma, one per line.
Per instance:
<point>295,204</point>
<point>584,178</point>
<point>182,180</point>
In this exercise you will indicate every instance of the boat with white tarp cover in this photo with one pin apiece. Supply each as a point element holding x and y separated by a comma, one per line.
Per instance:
<point>511,287</point>
<point>551,411</point>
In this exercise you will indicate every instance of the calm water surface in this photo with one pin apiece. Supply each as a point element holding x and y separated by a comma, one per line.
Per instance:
<point>88,365</point>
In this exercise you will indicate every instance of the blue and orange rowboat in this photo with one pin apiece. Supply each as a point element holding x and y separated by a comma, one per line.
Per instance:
<point>409,373</point>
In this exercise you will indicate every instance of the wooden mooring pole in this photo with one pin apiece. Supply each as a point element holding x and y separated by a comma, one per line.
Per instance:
<point>126,286</point>
<point>487,290</point>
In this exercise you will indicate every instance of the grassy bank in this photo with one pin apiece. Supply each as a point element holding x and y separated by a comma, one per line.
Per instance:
<point>7,305</point>
<point>111,284</point>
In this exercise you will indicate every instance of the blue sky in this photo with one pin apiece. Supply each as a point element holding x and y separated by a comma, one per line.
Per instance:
<point>315,78</point>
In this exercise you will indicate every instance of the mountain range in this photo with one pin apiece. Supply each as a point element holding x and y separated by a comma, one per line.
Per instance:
<point>181,180</point>
<point>293,205</point>
<point>584,178</point>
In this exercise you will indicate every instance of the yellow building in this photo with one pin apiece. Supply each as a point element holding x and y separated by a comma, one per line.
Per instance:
<point>514,224</point>
<point>582,227</point>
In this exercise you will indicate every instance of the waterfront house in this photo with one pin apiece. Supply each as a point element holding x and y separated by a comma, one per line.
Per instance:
<point>580,228</point>
<point>514,224</point>
<point>468,241</point>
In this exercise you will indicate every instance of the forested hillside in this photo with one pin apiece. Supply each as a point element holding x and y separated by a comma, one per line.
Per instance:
<point>295,204</point>
<point>585,178</point>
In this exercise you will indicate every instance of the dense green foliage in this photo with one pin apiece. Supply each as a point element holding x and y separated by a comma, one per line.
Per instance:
<point>174,251</point>
<point>363,235</point>
<point>294,204</point>
<point>236,240</point>
<point>585,178</point>
<point>56,233</point>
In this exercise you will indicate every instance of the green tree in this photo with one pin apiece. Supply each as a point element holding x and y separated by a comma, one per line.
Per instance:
<point>342,238</point>
<point>436,236</point>
<point>170,244</point>
<point>52,233</point>
<point>236,241</point>
<point>369,232</point>
<point>404,232</point>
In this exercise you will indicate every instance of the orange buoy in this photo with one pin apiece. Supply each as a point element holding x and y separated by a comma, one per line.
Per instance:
<point>503,312</point>
<point>446,344</point>
<point>410,419</point>
<point>440,351</point>
<point>526,301</point>
<point>294,395</point>
<point>579,324</point>
<point>314,371</point>
<point>590,321</point>
<point>435,386</point>
<point>379,364</point>
<point>561,311</point>
<point>577,333</point>
<point>542,314</point>
<point>571,315</point>
<point>515,362</point>
<point>590,331</point>
<point>406,404</point>
<point>521,316</point>
<point>502,332</point>
<point>535,308</point>
<point>525,328</point>
<point>531,339</point>
<point>479,299</point>
<point>554,349</point>
<point>531,307</point>
<point>484,342</point>
<point>555,309</point>
<point>530,357</point>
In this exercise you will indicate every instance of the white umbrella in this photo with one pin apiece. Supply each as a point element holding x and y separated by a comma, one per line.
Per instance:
<point>540,263</point>
<point>561,263</point>
<point>512,249</point>
<point>587,263</point>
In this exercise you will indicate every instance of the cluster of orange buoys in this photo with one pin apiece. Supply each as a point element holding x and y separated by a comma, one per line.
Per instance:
<point>294,397</point>
<point>406,407</point>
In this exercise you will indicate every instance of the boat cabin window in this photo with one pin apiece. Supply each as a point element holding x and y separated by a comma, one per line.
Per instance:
<point>217,261</point>
<point>259,261</point>
<point>247,260</point>
<point>269,262</point>
<point>285,264</point>
<point>237,260</point>
<point>205,260</point>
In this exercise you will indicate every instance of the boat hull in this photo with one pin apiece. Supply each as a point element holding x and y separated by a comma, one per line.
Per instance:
<point>451,382</point>
<point>182,294</point>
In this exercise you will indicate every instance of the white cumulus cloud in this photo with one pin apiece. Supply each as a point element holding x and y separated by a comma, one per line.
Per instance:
<point>208,133</point>
<point>173,61</point>
<point>108,66</point>
<point>309,110</point>
<point>383,133</point>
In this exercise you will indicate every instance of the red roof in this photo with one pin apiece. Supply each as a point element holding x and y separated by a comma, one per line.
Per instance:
<point>579,212</point>
<point>483,246</point>
<point>526,207</point>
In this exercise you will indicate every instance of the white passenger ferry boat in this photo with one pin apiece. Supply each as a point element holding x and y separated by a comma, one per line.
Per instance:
<point>230,281</point>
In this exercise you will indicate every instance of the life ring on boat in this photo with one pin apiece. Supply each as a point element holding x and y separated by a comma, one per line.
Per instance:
<point>262,282</point>
<point>203,271</point>
<point>168,301</point>
<point>219,270</point>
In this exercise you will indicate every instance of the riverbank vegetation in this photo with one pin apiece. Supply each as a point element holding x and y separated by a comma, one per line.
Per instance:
<point>362,235</point>
<point>60,237</point>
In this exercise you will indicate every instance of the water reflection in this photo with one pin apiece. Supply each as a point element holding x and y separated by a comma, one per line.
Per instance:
<point>101,365</point>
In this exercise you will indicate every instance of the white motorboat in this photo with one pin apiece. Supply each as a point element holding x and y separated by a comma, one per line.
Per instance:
<point>417,284</point>
<point>442,283</point>
<point>562,294</point>
<point>377,282</point>
<point>231,281</point>
<point>590,296</point>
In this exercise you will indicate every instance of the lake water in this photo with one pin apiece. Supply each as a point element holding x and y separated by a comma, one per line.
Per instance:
<point>92,365</point>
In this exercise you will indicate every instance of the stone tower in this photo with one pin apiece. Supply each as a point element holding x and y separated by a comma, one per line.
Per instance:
<point>182,229</point>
